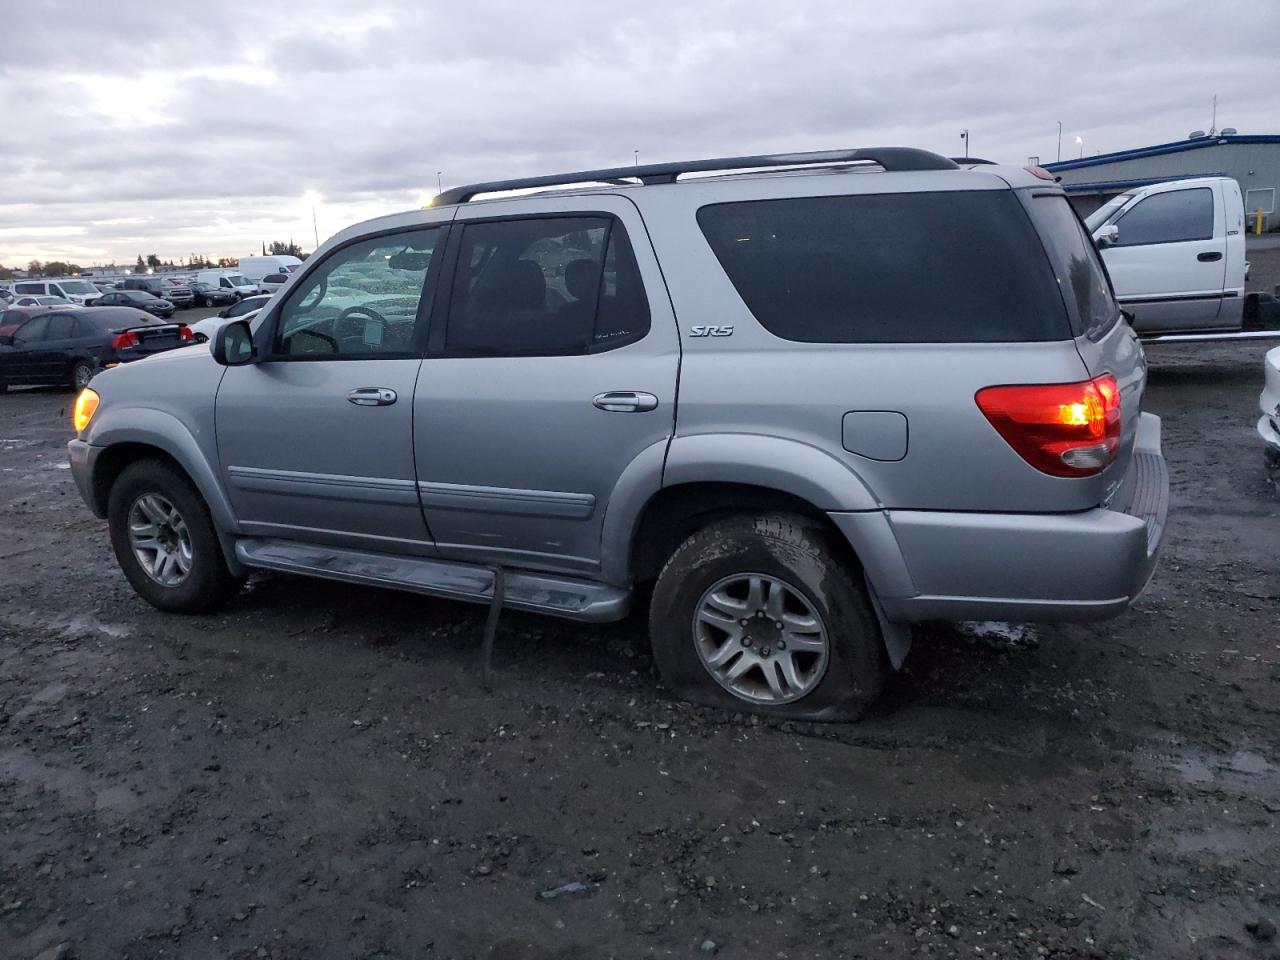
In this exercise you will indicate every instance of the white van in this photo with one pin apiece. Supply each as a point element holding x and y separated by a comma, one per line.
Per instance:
<point>232,280</point>
<point>255,268</point>
<point>1175,252</point>
<point>79,292</point>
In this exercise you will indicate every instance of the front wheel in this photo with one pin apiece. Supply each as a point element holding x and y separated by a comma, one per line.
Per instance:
<point>164,540</point>
<point>759,613</point>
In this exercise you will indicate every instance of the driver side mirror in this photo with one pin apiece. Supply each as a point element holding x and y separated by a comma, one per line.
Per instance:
<point>1107,236</point>
<point>233,344</point>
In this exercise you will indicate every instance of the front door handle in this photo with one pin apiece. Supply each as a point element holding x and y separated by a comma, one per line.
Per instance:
<point>372,396</point>
<point>1209,257</point>
<point>625,401</point>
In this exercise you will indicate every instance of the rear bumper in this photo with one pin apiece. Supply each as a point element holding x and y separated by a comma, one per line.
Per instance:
<point>1077,566</point>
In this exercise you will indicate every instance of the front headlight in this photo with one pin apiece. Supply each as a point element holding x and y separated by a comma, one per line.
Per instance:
<point>86,407</point>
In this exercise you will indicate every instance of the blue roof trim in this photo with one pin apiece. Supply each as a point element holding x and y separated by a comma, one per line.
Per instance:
<point>1119,186</point>
<point>1160,149</point>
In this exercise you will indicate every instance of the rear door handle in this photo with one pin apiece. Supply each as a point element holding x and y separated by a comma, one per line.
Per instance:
<point>625,401</point>
<point>1209,257</point>
<point>372,396</point>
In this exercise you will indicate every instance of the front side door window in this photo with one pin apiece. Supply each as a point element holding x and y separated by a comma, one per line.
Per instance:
<point>1173,217</point>
<point>363,302</point>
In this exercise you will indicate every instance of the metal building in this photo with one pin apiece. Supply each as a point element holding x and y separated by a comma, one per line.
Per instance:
<point>1252,159</point>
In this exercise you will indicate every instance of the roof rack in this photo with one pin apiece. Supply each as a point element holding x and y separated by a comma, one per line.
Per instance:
<point>890,158</point>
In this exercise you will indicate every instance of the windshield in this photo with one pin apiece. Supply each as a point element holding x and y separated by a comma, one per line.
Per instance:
<point>239,281</point>
<point>293,266</point>
<point>140,295</point>
<point>77,286</point>
<point>1100,216</point>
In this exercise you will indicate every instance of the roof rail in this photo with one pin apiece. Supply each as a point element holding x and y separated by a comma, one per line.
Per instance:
<point>891,158</point>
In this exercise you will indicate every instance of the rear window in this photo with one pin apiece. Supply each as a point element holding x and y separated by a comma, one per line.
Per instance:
<point>1075,260</point>
<point>946,267</point>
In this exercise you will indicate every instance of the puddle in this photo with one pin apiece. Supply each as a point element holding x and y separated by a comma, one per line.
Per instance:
<point>997,631</point>
<point>80,625</point>
<point>1245,771</point>
<point>1225,841</point>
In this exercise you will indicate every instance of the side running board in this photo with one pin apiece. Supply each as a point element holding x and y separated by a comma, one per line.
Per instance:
<point>538,592</point>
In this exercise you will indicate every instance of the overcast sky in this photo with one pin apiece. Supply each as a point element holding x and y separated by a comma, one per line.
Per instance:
<point>139,127</point>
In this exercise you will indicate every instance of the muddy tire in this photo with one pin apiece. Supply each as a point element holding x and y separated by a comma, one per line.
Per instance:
<point>164,540</point>
<point>760,613</point>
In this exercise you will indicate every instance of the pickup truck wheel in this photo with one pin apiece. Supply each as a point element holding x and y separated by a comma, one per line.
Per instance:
<point>760,614</point>
<point>164,540</point>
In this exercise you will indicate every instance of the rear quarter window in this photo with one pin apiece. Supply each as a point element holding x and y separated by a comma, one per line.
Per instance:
<point>1077,267</point>
<point>942,267</point>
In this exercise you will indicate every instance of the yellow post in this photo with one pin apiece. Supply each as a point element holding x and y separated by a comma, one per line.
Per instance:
<point>1257,222</point>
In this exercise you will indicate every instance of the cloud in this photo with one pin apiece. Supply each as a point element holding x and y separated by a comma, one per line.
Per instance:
<point>175,129</point>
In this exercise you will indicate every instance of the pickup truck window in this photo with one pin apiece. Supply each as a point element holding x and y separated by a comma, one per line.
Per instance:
<point>1172,217</point>
<point>361,303</point>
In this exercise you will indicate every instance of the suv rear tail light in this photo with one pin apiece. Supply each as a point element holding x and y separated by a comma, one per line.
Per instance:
<point>184,333</point>
<point>125,340</point>
<point>1062,429</point>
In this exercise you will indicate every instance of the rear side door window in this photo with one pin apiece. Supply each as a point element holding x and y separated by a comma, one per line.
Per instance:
<point>1173,217</point>
<point>545,286</point>
<point>60,326</point>
<point>1091,304</point>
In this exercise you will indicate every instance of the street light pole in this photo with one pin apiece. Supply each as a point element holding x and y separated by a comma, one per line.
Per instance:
<point>964,135</point>
<point>315,226</point>
<point>439,182</point>
<point>637,153</point>
<point>1059,140</point>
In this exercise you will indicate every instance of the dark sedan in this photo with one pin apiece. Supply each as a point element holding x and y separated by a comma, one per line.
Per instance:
<point>207,295</point>
<point>138,299</point>
<point>49,346</point>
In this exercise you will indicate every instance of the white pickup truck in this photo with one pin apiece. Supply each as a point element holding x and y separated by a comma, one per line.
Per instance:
<point>1175,252</point>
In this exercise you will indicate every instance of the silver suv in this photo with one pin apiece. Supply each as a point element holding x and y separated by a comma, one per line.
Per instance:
<point>807,399</point>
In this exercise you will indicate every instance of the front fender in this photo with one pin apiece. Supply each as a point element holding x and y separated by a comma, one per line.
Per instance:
<point>165,432</point>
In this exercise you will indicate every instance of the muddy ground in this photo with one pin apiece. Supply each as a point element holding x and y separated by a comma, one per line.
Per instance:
<point>317,772</point>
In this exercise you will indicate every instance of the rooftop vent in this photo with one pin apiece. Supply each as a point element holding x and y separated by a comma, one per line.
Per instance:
<point>1228,131</point>
<point>1196,134</point>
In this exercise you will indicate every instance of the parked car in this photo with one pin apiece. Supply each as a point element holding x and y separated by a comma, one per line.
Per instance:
<point>67,347</point>
<point>232,280</point>
<point>1175,252</point>
<point>41,301</point>
<point>1269,403</point>
<point>255,268</point>
<point>207,295</point>
<point>6,296</point>
<point>69,290</point>
<point>843,404</point>
<point>243,308</point>
<point>162,288</point>
<point>273,282</point>
<point>139,299</point>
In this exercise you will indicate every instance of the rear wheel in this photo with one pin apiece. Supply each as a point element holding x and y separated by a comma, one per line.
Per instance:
<point>164,540</point>
<point>762,614</point>
<point>81,374</point>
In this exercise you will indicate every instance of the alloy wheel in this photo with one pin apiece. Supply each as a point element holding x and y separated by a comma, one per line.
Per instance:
<point>761,639</point>
<point>160,539</point>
